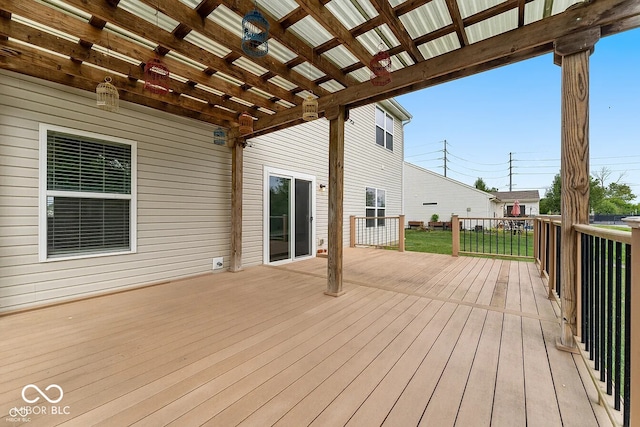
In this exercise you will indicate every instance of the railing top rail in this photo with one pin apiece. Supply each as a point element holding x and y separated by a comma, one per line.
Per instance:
<point>376,217</point>
<point>605,233</point>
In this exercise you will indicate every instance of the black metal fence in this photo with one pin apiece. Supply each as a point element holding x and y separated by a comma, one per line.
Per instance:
<point>380,232</point>
<point>510,237</point>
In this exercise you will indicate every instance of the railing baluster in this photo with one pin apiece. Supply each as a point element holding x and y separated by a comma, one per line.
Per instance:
<point>609,328</point>
<point>627,334</point>
<point>596,300</point>
<point>603,305</point>
<point>618,329</point>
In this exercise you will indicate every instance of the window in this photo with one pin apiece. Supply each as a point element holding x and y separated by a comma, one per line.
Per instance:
<point>87,190</point>
<point>375,207</point>
<point>384,129</point>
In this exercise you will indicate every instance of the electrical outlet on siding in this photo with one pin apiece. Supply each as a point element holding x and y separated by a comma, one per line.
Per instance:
<point>218,263</point>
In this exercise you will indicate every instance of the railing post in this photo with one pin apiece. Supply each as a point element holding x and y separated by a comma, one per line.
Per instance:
<point>536,234</point>
<point>544,246</point>
<point>634,392</point>
<point>352,231</point>
<point>401,233</point>
<point>455,235</point>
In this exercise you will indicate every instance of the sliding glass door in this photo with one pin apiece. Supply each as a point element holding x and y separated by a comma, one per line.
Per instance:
<point>289,207</point>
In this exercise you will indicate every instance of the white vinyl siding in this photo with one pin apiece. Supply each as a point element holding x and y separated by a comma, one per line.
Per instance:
<point>183,195</point>
<point>87,194</point>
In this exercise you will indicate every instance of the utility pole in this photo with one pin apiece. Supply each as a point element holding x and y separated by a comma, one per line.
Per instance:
<point>510,171</point>
<point>445,158</point>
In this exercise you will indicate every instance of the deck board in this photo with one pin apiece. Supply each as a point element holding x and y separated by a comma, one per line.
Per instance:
<point>418,339</point>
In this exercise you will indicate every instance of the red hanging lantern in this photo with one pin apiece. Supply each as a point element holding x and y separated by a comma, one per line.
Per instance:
<point>380,68</point>
<point>156,75</point>
<point>246,123</point>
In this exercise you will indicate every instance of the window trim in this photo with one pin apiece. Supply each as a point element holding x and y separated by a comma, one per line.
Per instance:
<point>384,128</point>
<point>43,193</point>
<point>379,222</point>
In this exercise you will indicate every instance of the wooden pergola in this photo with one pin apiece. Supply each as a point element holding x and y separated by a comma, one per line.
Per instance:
<point>323,48</point>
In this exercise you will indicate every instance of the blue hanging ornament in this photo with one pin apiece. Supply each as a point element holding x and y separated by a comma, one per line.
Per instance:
<point>255,34</point>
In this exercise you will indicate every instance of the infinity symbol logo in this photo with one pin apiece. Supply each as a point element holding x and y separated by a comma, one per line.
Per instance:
<point>18,412</point>
<point>35,387</point>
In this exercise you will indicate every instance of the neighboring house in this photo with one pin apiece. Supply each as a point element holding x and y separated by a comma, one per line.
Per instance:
<point>529,201</point>
<point>94,201</point>
<point>428,193</point>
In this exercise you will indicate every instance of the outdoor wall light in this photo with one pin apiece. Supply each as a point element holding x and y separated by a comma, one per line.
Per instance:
<point>323,187</point>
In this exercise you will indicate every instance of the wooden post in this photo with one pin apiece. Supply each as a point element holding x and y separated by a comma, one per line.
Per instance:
<point>536,234</point>
<point>574,165</point>
<point>352,231</point>
<point>336,116</point>
<point>401,233</point>
<point>634,392</point>
<point>237,152</point>
<point>455,235</point>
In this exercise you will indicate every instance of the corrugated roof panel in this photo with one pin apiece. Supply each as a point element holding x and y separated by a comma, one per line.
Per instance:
<point>229,79</point>
<point>128,34</point>
<point>283,83</point>
<point>149,14</point>
<point>178,78</point>
<point>471,7</point>
<point>308,71</point>
<point>281,52</point>
<point>262,93</point>
<point>440,46</point>
<point>352,12</point>
<point>241,101</point>
<point>378,38</point>
<point>251,67</point>
<point>493,26</point>
<point>361,75</point>
<point>207,44</point>
<point>278,9</point>
<point>188,61</point>
<point>227,19</point>
<point>310,31</point>
<point>191,3</point>
<point>394,3</point>
<point>426,19</point>
<point>209,89</point>
<point>108,52</point>
<point>70,10</point>
<point>285,103</point>
<point>341,56</point>
<point>400,61</point>
<point>533,11</point>
<point>332,86</point>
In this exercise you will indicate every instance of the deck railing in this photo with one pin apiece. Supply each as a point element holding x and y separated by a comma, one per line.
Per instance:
<point>607,331</point>
<point>380,232</point>
<point>503,237</point>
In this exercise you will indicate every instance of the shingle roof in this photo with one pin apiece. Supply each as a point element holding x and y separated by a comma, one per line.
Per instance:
<point>517,195</point>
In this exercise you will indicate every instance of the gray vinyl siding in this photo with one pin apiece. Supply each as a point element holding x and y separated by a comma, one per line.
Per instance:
<point>184,195</point>
<point>305,149</point>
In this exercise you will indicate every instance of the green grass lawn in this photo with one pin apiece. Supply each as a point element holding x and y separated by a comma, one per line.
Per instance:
<point>439,242</point>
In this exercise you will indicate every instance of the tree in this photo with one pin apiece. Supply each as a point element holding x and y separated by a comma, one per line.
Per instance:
<point>482,186</point>
<point>550,203</point>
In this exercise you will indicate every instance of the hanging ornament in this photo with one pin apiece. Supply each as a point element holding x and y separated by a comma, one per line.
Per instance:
<point>255,34</point>
<point>107,97</point>
<point>246,123</point>
<point>156,76</point>
<point>309,108</point>
<point>380,68</point>
<point>219,136</point>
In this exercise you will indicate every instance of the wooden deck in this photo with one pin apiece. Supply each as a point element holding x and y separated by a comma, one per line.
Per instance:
<point>418,339</point>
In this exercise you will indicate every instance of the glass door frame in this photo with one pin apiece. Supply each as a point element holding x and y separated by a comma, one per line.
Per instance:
<point>282,173</point>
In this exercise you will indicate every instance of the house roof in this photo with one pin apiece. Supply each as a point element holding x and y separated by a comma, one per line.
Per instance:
<point>320,48</point>
<point>510,196</point>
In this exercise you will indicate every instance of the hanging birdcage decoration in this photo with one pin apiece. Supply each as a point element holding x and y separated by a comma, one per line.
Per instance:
<point>107,97</point>
<point>309,108</point>
<point>380,68</point>
<point>219,136</point>
<point>255,34</point>
<point>246,123</point>
<point>156,76</point>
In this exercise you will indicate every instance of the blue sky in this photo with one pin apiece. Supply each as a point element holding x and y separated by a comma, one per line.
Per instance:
<point>516,109</point>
